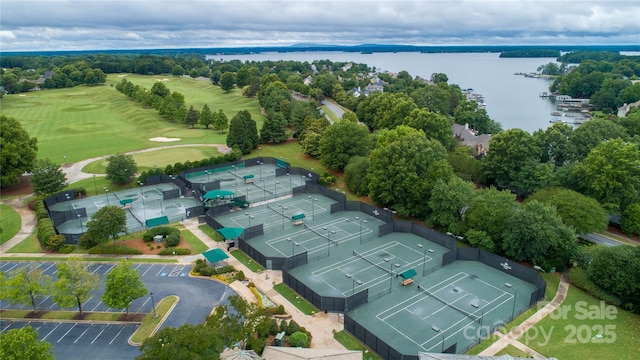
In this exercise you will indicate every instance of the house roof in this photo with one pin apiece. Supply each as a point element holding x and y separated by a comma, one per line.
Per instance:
<point>290,353</point>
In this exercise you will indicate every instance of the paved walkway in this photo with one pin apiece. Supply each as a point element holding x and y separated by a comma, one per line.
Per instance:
<point>511,338</point>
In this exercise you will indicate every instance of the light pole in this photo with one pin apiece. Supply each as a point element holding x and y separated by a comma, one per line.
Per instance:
<point>106,194</point>
<point>275,189</point>
<point>513,311</point>
<point>207,171</point>
<point>94,185</point>
<point>313,208</point>
<point>360,221</point>
<point>68,200</point>
<point>260,166</point>
<point>250,217</point>
<point>126,252</point>
<point>289,175</point>
<point>80,221</point>
<point>153,304</point>
<point>248,189</point>
<point>391,213</point>
<point>140,183</point>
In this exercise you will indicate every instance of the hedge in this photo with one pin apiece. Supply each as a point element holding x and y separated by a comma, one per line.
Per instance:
<point>162,230</point>
<point>174,251</point>
<point>117,250</point>
<point>580,279</point>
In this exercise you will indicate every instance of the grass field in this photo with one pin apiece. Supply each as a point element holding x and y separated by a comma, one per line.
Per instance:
<point>29,245</point>
<point>10,221</point>
<point>197,246</point>
<point>302,304</point>
<point>247,261</point>
<point>149,324</point>
<point>351,343</point>
<point>84,122</point>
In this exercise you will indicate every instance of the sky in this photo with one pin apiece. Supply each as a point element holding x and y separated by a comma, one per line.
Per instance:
<point>29,25</point>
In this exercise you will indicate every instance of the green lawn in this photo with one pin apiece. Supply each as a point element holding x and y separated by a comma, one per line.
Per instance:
<point>197,246</point>
<point>351,343</point>
<point>214,235</point>
<point>513,351</point>
<point>10,221</point>
<point>566,335</point>
<point>247,261</point>
<point>29,245</point>
<point>149,323</point>
<point>302,304</point>
<point>89,121</point>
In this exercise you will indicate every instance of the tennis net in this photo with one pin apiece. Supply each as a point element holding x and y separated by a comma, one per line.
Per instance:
<point>473,317</point>
<point>116,195</point>
<point>281,213</point>
<point>319,234</point>
<point>373,263</point>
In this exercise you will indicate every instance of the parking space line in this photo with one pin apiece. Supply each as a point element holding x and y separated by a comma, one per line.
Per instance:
<point>176,271</point>
<point>84,332</point>
<point>146,271</point>
<point>65,334</point>
<point>114,338</point>
<point>89,299</point>
<point>43,300</point>
<point>52,330</point>
<point>143,304</point>
<point>162,268</point>
<point>98,268</point>
<point>48,267</point>
<point>27,324</point>
<point>108,270</point>
<point>100,333</point>
<point>8,326</point>
<point>13,267</point>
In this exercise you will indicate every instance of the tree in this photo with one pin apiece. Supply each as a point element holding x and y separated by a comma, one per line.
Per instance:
<point>581,212</point>
<point>552,143</point>
<point>299,339</point>
<point>590,134</point>
<point>536,233</point>
<point>177,71</point>
<point>616,269</point>
<point>121,168</point>
<point>449,200</point>
<point>206,117</point>
<point>122,286</point>
<point>510,151</point>
<point>227,80</point>
<point>489,211</point>
<point>341,141</point>
<point>107,223</point>
<point>18,344</point>
<point>47,178</point>
<point>243,133</point>
<point>18,151</point>
<point>191,117</point>
<point>467,112</point>
<point>630,221</point>
<point>355,175</point>
<point>479,239</point>
<point>197,342</point>
<point>220,122</point>
<point>611,174</point>
<point>403,170</point>
<point>435,126</point>
<point>274,128</point>
<point>24,285</point>
<point>237,327</point>
<point>75,283</point>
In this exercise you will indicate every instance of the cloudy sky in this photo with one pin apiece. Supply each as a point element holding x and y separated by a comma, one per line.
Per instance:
<point>28,25</point>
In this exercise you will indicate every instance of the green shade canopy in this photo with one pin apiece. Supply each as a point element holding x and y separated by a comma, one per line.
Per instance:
<point>126,201</point>
<point>163,220</point>
<point>250,176</point>
<point>298,216</point>
<point>408,274</point>
<point>213,194</point>
<point>230,233</point>
<point>215,255</point>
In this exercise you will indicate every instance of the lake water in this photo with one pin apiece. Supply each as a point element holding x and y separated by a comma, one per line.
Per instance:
<point>512,100</point>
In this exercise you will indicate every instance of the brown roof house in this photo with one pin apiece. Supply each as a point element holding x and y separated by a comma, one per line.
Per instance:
<point>291,353</point>
<point>469,138</point>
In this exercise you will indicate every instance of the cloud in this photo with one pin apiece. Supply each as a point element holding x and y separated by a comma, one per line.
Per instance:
<point>103,24</point>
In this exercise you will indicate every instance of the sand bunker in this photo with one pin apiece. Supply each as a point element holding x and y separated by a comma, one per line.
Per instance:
<point>164,139</point>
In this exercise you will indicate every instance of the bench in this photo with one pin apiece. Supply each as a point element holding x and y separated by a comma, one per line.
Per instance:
<point>407,282</point>
<point>128,206</point>
<point>248,181</point>
<point>298,222</point>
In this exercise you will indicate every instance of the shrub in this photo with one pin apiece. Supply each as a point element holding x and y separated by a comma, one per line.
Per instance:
<point>293,327</point>
<point>240,276</point>
<point>79,192</point>
<point>173,239</point>
<point>256,344</point>
<point>262,329</point>
<point>283,325</point>
<point>162,230</point>
<point>280,309</point>
<point>299,339</point>
<point>54,242</point>
<point>175,251</point>
<point>67,249</point>
<point>117,250</point>
<point>580,279</point>
<point>40,209</point>
<point>273,327</point>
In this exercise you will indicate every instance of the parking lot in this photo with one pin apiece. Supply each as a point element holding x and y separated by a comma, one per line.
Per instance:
<point>72,340</point>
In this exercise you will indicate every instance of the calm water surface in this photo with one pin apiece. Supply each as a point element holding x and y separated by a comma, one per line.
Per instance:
<point>512,100</point>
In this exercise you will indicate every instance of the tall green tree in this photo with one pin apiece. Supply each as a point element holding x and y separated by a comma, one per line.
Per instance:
<point>206,117</point>
<point>24,286</point>
<point>121,169</point>
<point>47,178</point>
<point>341,141</point>
<point>122,286</point>
<point>536,233</point>
<point>75,283</point>
<point>402,172</point>
<point>616,269</point>
<point>355,175</point>
<point>220,121</point>
<point>191,117</point>
<point>18,151</point>
<point>19,344</point>
<point>449,200</point>
<point>630,222</point>
<point>489,211</point>
<point>468,112</point>
<point>582,213</point>
<point>274,128</point>
<point>227,81</point>
<point>435,126</point>
<point>591,134</point>
<point>106,223</point>
<point>552,143</point>
<point>243,132</point>
<point>510,151</point>
<point>611,174</point>
<point>187,342</point>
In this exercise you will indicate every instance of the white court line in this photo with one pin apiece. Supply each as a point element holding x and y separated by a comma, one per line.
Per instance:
<point>84,332</point>
<point>333,266</point>
<point>65,334</point>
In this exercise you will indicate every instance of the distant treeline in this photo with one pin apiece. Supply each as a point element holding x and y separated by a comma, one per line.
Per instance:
<point>530,53</point>
<point>365,48</point>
